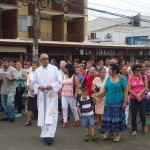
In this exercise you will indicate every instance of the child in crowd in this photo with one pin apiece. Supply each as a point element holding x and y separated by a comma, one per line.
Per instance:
<point>85,109</point>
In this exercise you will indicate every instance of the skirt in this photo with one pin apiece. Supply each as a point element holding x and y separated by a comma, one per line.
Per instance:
<point>32,103</point>
<point>113,118</point>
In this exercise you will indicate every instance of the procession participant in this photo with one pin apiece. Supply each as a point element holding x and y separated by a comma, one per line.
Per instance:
<point>32,97</point>
<point>124,72</point>
<point>97,85</point>
<point>20,88</point>
<point>47,82</point>
<point>8,90</point>
<point>86,111</point>
<point>137,86</point>
<point>116,90</point>
<point>69,94</point>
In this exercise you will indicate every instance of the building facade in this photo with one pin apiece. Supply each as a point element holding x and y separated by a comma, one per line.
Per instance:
<point>62,35</point>
<point>16,22</point>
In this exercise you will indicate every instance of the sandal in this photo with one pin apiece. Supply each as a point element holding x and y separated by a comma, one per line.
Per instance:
<point>107,136</point>
<point>28,123</point>
<point>116,138</point>
<point>144,130</point>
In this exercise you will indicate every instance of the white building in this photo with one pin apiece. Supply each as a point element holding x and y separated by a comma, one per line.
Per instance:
<point>120,31</point>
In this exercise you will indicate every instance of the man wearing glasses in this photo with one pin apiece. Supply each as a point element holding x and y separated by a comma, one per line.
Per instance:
<point>47,82</point>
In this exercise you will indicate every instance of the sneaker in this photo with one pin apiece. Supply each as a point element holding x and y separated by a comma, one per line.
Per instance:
<point>86,138</point>
<point>18,115</point>
<point>134,133</point>
<point>94,138</point>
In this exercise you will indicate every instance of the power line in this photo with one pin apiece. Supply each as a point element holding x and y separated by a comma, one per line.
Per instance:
<point>135,4</point>
<point>96,4</point>
<point>142,2</point>
<point>109,13</point>
<point>121,23</point>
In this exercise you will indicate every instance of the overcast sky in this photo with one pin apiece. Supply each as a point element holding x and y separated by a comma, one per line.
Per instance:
<point>132,7</point>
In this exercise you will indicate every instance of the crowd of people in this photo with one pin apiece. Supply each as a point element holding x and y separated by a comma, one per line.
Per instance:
<point>101,93</point>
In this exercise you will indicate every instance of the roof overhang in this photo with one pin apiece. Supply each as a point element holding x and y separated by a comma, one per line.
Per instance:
<point>71,44</point>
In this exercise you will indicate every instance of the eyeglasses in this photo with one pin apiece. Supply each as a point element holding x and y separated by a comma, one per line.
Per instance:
<point>45,58</point>
<point>138,70</point>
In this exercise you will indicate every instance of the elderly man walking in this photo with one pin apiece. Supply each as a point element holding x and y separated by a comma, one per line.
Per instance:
<point>47,82</point>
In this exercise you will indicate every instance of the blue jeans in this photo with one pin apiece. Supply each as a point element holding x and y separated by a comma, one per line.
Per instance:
<point>135,106</point>
<point>8,104</point>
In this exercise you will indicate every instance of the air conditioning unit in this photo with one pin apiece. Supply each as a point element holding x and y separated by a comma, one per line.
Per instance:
<point>108,36</point>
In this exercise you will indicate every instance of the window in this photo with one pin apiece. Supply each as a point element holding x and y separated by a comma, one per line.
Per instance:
<point>93,35</point>
<point>23,24</point>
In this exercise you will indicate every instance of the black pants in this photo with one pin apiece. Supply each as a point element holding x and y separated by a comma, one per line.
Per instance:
<point>135,107</point>
<point>59,105</point>
<point>18,99</point>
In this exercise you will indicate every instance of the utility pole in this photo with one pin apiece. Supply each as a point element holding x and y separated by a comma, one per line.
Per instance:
<point>36,30</point>
<point>132,30</point>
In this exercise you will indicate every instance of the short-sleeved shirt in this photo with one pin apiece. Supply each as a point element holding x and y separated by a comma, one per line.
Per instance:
<point>9,86</point>
<point>97,82</point>
<point>89,81</point>
<point>115,90</point>
<point>137,85</point>
<point>80,78</point>
<point>86,106</point>
<point>20,83</point>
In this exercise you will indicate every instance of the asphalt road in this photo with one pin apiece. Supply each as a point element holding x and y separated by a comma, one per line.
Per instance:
<point>14,136</point>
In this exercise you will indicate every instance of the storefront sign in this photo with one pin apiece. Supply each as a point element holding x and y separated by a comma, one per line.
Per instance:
<point>138,41</point>
<point>105,52</point>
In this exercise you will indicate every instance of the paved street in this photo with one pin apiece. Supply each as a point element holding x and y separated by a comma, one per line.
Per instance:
<point>14,136</point>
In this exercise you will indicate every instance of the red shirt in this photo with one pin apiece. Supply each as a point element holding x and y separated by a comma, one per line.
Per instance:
<point>89,80</point>
<point>83,73</point>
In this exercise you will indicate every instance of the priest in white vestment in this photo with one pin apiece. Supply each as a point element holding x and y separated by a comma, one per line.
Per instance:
<point>47,82</point>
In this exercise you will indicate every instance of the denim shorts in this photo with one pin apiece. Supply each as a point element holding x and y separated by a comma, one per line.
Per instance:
<point>88,121</point>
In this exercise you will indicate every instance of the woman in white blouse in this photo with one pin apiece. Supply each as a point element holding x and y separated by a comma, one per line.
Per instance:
<point>32,97</point>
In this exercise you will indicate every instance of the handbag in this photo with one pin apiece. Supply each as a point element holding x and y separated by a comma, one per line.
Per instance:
<point>97,89</point>
<point>25,95</point>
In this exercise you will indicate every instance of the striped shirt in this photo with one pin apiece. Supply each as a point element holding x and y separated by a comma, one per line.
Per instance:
<point>86,106</point>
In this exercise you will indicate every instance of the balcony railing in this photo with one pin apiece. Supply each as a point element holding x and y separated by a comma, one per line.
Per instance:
<point>9,2</point>
<point>44,36</point>
<point>48,36</point>
<point>5,34</point>
<point>74,7</point>
<point>72,38</point>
